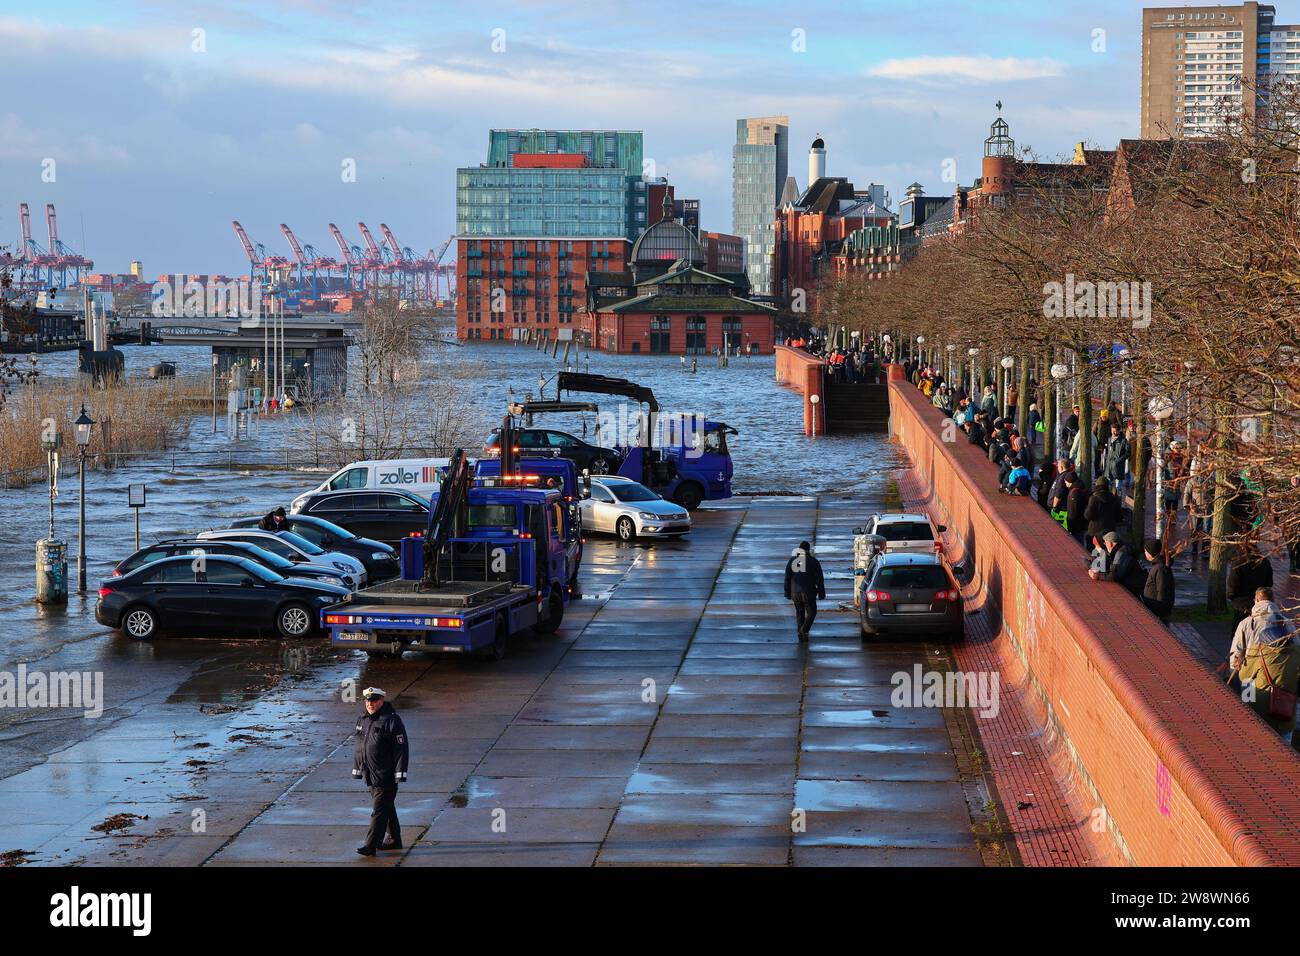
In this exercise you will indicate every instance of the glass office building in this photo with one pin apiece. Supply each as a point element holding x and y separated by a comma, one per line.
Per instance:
<point>759,167</point>
<point>566,184</point>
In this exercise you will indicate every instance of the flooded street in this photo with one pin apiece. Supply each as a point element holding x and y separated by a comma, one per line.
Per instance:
<point>209,481</point>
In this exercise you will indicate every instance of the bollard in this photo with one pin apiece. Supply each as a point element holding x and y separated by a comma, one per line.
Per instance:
<point>51,571</point>
<point>567,345</point>
<point>555,348</point>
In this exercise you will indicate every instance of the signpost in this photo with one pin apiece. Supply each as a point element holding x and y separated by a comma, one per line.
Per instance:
<point>135,499</point>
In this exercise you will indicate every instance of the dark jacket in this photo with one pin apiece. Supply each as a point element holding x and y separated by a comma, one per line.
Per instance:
<point>1116,457</point>
<point>1124,568</point>
<point>1076,505</point>
<point>268,523</point>
<point>1244,577</point>
<point>1158,594</point>
<point>382,750</point>
<point>1102,513</point>
<point>808,581</point>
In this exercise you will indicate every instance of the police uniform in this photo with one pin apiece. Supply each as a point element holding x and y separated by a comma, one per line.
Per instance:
<point>380,759</point>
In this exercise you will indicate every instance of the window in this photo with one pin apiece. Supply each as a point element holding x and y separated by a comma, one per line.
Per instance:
<point>598,493</point>
<point>226,572</point>
<point>559,440</point>
<point>394,503</point>
<point>170,572</point>
<point>904,531</point>
<point>911,576</point>
<point>491,516</point>
<point>352,478</point>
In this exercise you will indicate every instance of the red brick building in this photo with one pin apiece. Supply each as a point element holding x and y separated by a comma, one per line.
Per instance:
<point>810,230</point>
<point>723,253</point>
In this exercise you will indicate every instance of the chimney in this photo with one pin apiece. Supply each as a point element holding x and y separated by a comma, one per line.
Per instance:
<point>816,161</point>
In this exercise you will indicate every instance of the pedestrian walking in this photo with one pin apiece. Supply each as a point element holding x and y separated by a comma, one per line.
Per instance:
<point>380,758</point>
<point>1158,594</point>
<point>804,584</point>
<point>1266,660</point>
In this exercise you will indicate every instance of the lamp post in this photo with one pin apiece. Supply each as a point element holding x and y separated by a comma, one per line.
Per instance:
<point>1161,408</point>
<point>920,348</point>
<point>948,370</point>
<point>214,392</point>
<point>1006,363</point>
<point>975,392</point>
<point>814,399</point>
<point>1060,372</point>
<point>83,425</point>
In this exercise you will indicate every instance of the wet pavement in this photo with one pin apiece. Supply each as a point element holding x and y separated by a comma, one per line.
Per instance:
<point>673,719</point>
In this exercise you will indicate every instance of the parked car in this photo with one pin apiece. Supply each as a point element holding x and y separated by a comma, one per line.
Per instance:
<point>911,593</point>
<point>549,443</point>
<point>422,476</point>
<point>293,547</point>
<point>239,549</point>
<point>631,510</point>
<point>912,533</point>
<point>387,516</point>
<point>380,559</point>
<point>230,595</point>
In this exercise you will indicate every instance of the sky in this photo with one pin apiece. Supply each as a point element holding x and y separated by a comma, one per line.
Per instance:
<point>151,124</point>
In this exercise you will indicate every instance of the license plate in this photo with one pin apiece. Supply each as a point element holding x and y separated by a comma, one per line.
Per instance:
<point>912,608</point>
<point>352,637</point>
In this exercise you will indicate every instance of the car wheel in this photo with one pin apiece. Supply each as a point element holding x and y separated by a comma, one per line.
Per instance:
<point>554,613</point>
<point>294,620</point>
<point>625,528</point>
<point>688,495</point>
<point>139,623</point>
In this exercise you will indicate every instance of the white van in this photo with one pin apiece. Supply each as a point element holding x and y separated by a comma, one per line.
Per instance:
<point>423,476</point>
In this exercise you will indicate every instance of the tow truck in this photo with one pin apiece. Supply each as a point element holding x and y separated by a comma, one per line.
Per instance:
<point>688,466</point>
<point>493,562</point>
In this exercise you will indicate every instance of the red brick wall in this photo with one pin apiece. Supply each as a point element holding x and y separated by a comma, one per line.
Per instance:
<point>802,371</point>
<point>1180,769</point>
<point>628,328</point>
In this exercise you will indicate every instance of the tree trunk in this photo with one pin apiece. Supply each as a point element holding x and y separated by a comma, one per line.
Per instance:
<point>1138,463</point>
<point>1049,412</point>
<point>1083,398</point>
<point>1022,400</point>
<point>1216,592</point>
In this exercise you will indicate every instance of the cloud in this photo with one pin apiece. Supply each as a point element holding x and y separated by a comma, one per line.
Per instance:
<point>967,69</point>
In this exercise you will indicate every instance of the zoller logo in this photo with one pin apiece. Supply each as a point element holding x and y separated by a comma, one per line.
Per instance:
<point>103,909</point>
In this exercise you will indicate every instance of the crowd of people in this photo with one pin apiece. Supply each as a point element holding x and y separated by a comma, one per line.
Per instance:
<point>1264,663</point>
<point>858,362</point>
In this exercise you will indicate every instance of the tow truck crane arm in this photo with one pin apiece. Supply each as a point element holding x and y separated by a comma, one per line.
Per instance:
<point>605,385</point>
<point>451,495</point>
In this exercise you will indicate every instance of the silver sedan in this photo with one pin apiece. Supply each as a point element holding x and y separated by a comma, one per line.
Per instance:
<point>631,510</point>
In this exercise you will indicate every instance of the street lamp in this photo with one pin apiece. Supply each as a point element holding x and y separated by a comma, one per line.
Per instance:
<point>83,424</point>
<point>1060,372</point>
<point>1006,363</point>
<point>920,342</point>
<point>1161,408</point>
<point>947,372</point>
<point>974,381</point>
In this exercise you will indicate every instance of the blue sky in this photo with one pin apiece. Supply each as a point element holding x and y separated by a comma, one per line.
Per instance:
<point>158,145</point>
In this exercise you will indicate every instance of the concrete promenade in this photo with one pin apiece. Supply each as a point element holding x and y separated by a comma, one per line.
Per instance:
<point>673,720</point>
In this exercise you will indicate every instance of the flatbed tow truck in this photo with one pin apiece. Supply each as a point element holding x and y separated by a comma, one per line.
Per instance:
<point>494,561</point>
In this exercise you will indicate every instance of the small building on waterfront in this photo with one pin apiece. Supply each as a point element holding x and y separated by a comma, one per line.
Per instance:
<point>313,361</point>
<point>668,304</point>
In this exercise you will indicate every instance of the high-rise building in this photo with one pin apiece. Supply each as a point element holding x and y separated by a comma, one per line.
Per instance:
<point>759,170</point>
<point>546,209</point>
<point>1195,58</point>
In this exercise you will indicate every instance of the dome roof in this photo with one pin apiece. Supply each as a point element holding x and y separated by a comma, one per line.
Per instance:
<point>819,143</point>
<point>664,243</point>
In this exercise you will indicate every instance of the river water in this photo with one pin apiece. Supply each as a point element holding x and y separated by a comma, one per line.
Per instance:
<point>202,490</point>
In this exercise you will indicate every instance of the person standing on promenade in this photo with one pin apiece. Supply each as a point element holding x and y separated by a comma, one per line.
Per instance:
<point>804,584</point>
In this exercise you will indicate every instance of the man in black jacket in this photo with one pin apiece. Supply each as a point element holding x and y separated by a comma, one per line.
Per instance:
<point>380,758</point>
<point>274,521</point>
<point>1115,562</point>
<point>804,584</point>
<point>1102,512</point>
<point>1158,595</point>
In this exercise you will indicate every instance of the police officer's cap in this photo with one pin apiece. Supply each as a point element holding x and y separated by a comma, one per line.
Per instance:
<point>370,693</point>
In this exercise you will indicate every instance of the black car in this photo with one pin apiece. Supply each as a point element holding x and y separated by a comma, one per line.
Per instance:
<point>380,559</point>
<point>911,593</point>
<point>230,595</point>
<point>387,516</point>
<point>238,549</point>
<point>548,443</point>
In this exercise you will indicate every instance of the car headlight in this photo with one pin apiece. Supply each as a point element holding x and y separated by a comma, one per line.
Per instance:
<point>341,566</point>
<point>325,598</point>
<point>378,555</point>
<point>647,515</point>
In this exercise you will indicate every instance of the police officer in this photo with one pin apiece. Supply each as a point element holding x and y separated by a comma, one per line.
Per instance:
<point>804,584</point>
<point>380,759</point>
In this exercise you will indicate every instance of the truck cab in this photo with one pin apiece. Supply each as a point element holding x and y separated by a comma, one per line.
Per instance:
<point>560,474</point>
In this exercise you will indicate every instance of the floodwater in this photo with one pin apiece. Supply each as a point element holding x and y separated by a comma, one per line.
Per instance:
<point>211,481</point>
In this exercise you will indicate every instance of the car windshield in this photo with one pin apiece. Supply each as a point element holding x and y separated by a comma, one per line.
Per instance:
<point>298,541</point>
<point>911,576</point>
<point>491,516</point>
<point>904,531</point>
<point>326,529</point>
<point>266,574</point>
<point>632,491</point>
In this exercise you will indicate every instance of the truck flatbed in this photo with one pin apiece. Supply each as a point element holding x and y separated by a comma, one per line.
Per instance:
<point>392,594</point>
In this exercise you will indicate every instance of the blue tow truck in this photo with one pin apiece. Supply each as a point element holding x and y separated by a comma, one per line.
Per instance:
<point>494,561</point>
